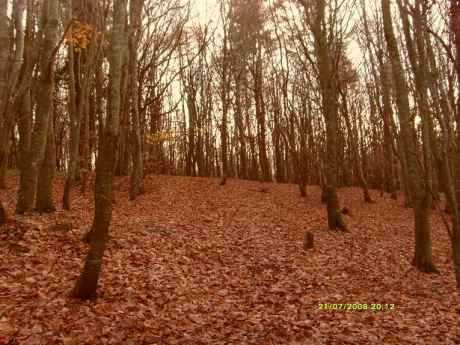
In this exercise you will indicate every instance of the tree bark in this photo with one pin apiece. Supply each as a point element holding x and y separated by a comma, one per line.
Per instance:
<point>4,57</point>
<point>86,284</point>
<point>224,89</point>
<point>329,93</point>
<point>45,86</point>
<point>137,174</point>
<point>261,117</point>
<point>420,192</point>
<point>74,107</point>
<point>44,202</point>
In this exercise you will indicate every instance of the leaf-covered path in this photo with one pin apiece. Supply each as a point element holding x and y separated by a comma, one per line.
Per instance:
<point>191,262</point>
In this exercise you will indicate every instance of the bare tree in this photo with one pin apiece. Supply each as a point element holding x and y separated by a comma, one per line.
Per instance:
<point>137,175</point>
<point>86,284</point>
<point>45,85</point>
<point>420,189</point>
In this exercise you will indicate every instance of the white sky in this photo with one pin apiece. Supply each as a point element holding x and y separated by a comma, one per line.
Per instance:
<point>205,10</point>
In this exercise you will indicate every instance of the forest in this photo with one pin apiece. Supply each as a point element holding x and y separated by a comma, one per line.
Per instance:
<point>198,172</point>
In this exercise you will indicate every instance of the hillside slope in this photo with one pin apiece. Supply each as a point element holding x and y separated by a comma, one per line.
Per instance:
<point>191,262</point>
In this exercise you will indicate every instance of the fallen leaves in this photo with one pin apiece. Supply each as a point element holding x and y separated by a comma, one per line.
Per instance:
<point>190,262</point>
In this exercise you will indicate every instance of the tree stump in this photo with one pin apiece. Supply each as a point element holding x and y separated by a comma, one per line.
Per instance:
<point>308,241</point>
<point>60,227</point>
<point>346,211</point>
<point>87,235</point>
<point>2,214</point>
<point>84,179</point>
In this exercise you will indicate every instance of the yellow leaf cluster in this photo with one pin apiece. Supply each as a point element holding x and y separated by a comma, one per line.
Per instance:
<point>79,35</point>
<point>159,137</point>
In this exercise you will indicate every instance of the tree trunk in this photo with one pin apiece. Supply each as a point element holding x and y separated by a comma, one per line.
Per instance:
<point>4,57</point>
<point>75,120</point>
<point>260,116</point>
<point>387,133</point>
<point>419,192</point>
<point>86,284</point>
<point>243,167</point>
<point>44,202</point>
<point>45,86</point>
<point>329,92</point>
<point>137,174</point>
<point>224,98</point>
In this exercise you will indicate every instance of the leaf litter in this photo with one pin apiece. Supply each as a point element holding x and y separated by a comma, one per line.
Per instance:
<point>192,262</point>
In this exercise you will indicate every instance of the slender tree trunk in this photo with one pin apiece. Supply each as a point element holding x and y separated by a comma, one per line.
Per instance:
<point>243,169</point>
<point>224,145</point>
<point>261,118</point>
<point>5,131</point>
<point>455,27</point>
<point>86,284</point>
<point>4,57</point>
<point>387,134</point>
<point>452,186</point>
<point>224,124</point>
<point>75,120</point>
<point>329,92</point>
<point>137,175</point>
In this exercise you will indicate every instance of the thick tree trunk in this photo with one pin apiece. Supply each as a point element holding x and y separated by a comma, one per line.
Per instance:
<point>420,192</point>
<point>44,202</point>
<point>45,86</point>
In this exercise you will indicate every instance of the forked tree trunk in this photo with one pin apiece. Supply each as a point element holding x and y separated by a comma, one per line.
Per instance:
<point>45,86</point>
<point>86,284</point>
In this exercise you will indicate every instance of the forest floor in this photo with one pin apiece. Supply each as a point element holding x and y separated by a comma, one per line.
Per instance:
<point>190,262</point>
